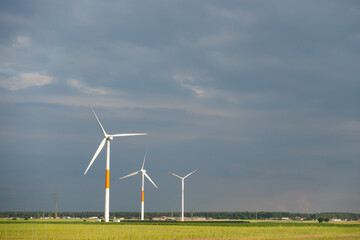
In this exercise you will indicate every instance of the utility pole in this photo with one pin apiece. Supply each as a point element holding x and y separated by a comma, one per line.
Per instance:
<point>56,204</point>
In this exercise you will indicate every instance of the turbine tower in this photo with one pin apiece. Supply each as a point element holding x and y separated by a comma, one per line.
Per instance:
<point>182,188</point>
<point>107,139</point>
<point>143,172</point>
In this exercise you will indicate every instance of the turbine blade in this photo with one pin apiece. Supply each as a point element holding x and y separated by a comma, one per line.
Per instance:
<point>190,174</point>
<point>175,175</point>
<point>131,174</point>
<point>96,154</point>
<point>128,134</point>
<point>144,161</point>
<point>150,180</point>
<point>97,119</point>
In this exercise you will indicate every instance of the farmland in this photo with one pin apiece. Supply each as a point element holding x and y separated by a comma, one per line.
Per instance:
<point>77,229</point>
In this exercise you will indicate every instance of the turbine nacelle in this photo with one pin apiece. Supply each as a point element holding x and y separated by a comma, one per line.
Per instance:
<point>109,137</point>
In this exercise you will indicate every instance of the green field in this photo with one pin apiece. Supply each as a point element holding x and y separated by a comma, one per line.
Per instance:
<point>72,229</point>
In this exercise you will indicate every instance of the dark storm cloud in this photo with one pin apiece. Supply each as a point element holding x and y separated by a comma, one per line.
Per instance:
<point>261,97</point>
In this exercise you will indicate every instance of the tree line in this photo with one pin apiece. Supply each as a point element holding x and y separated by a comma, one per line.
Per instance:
<point>213,215</point>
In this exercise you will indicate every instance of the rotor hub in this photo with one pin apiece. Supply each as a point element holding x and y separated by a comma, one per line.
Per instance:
<point>109,137</point>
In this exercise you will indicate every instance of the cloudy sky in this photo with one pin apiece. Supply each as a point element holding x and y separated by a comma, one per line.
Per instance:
<point>262,97</point>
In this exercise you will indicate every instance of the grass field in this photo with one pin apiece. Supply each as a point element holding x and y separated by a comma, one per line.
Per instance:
<point>70,229</point>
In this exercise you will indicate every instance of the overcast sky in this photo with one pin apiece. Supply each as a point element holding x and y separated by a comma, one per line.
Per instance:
<point>262,97</point>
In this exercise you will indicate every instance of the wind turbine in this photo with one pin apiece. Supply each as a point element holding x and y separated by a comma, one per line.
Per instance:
<point>143,172</point>
<point>182,195</point>
<point>107,139</point>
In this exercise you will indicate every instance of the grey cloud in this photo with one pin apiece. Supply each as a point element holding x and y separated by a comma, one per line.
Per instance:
<point>261,97</point>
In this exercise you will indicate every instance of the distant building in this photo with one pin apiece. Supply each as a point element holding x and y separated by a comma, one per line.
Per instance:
<point>196,219</point>
<point>164,218</point>
<point>336,220</point>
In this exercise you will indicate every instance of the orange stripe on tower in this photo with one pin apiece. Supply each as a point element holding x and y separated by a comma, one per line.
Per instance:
<point>142,195</point>
<point>107,179</point>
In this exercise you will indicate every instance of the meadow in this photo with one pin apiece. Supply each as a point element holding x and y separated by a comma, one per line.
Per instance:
<point>77,229</point>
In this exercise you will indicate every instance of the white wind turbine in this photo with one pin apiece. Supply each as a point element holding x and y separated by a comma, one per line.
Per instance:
<point>107,139</point>
<point>143,171</point>
<point>182,188</point>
